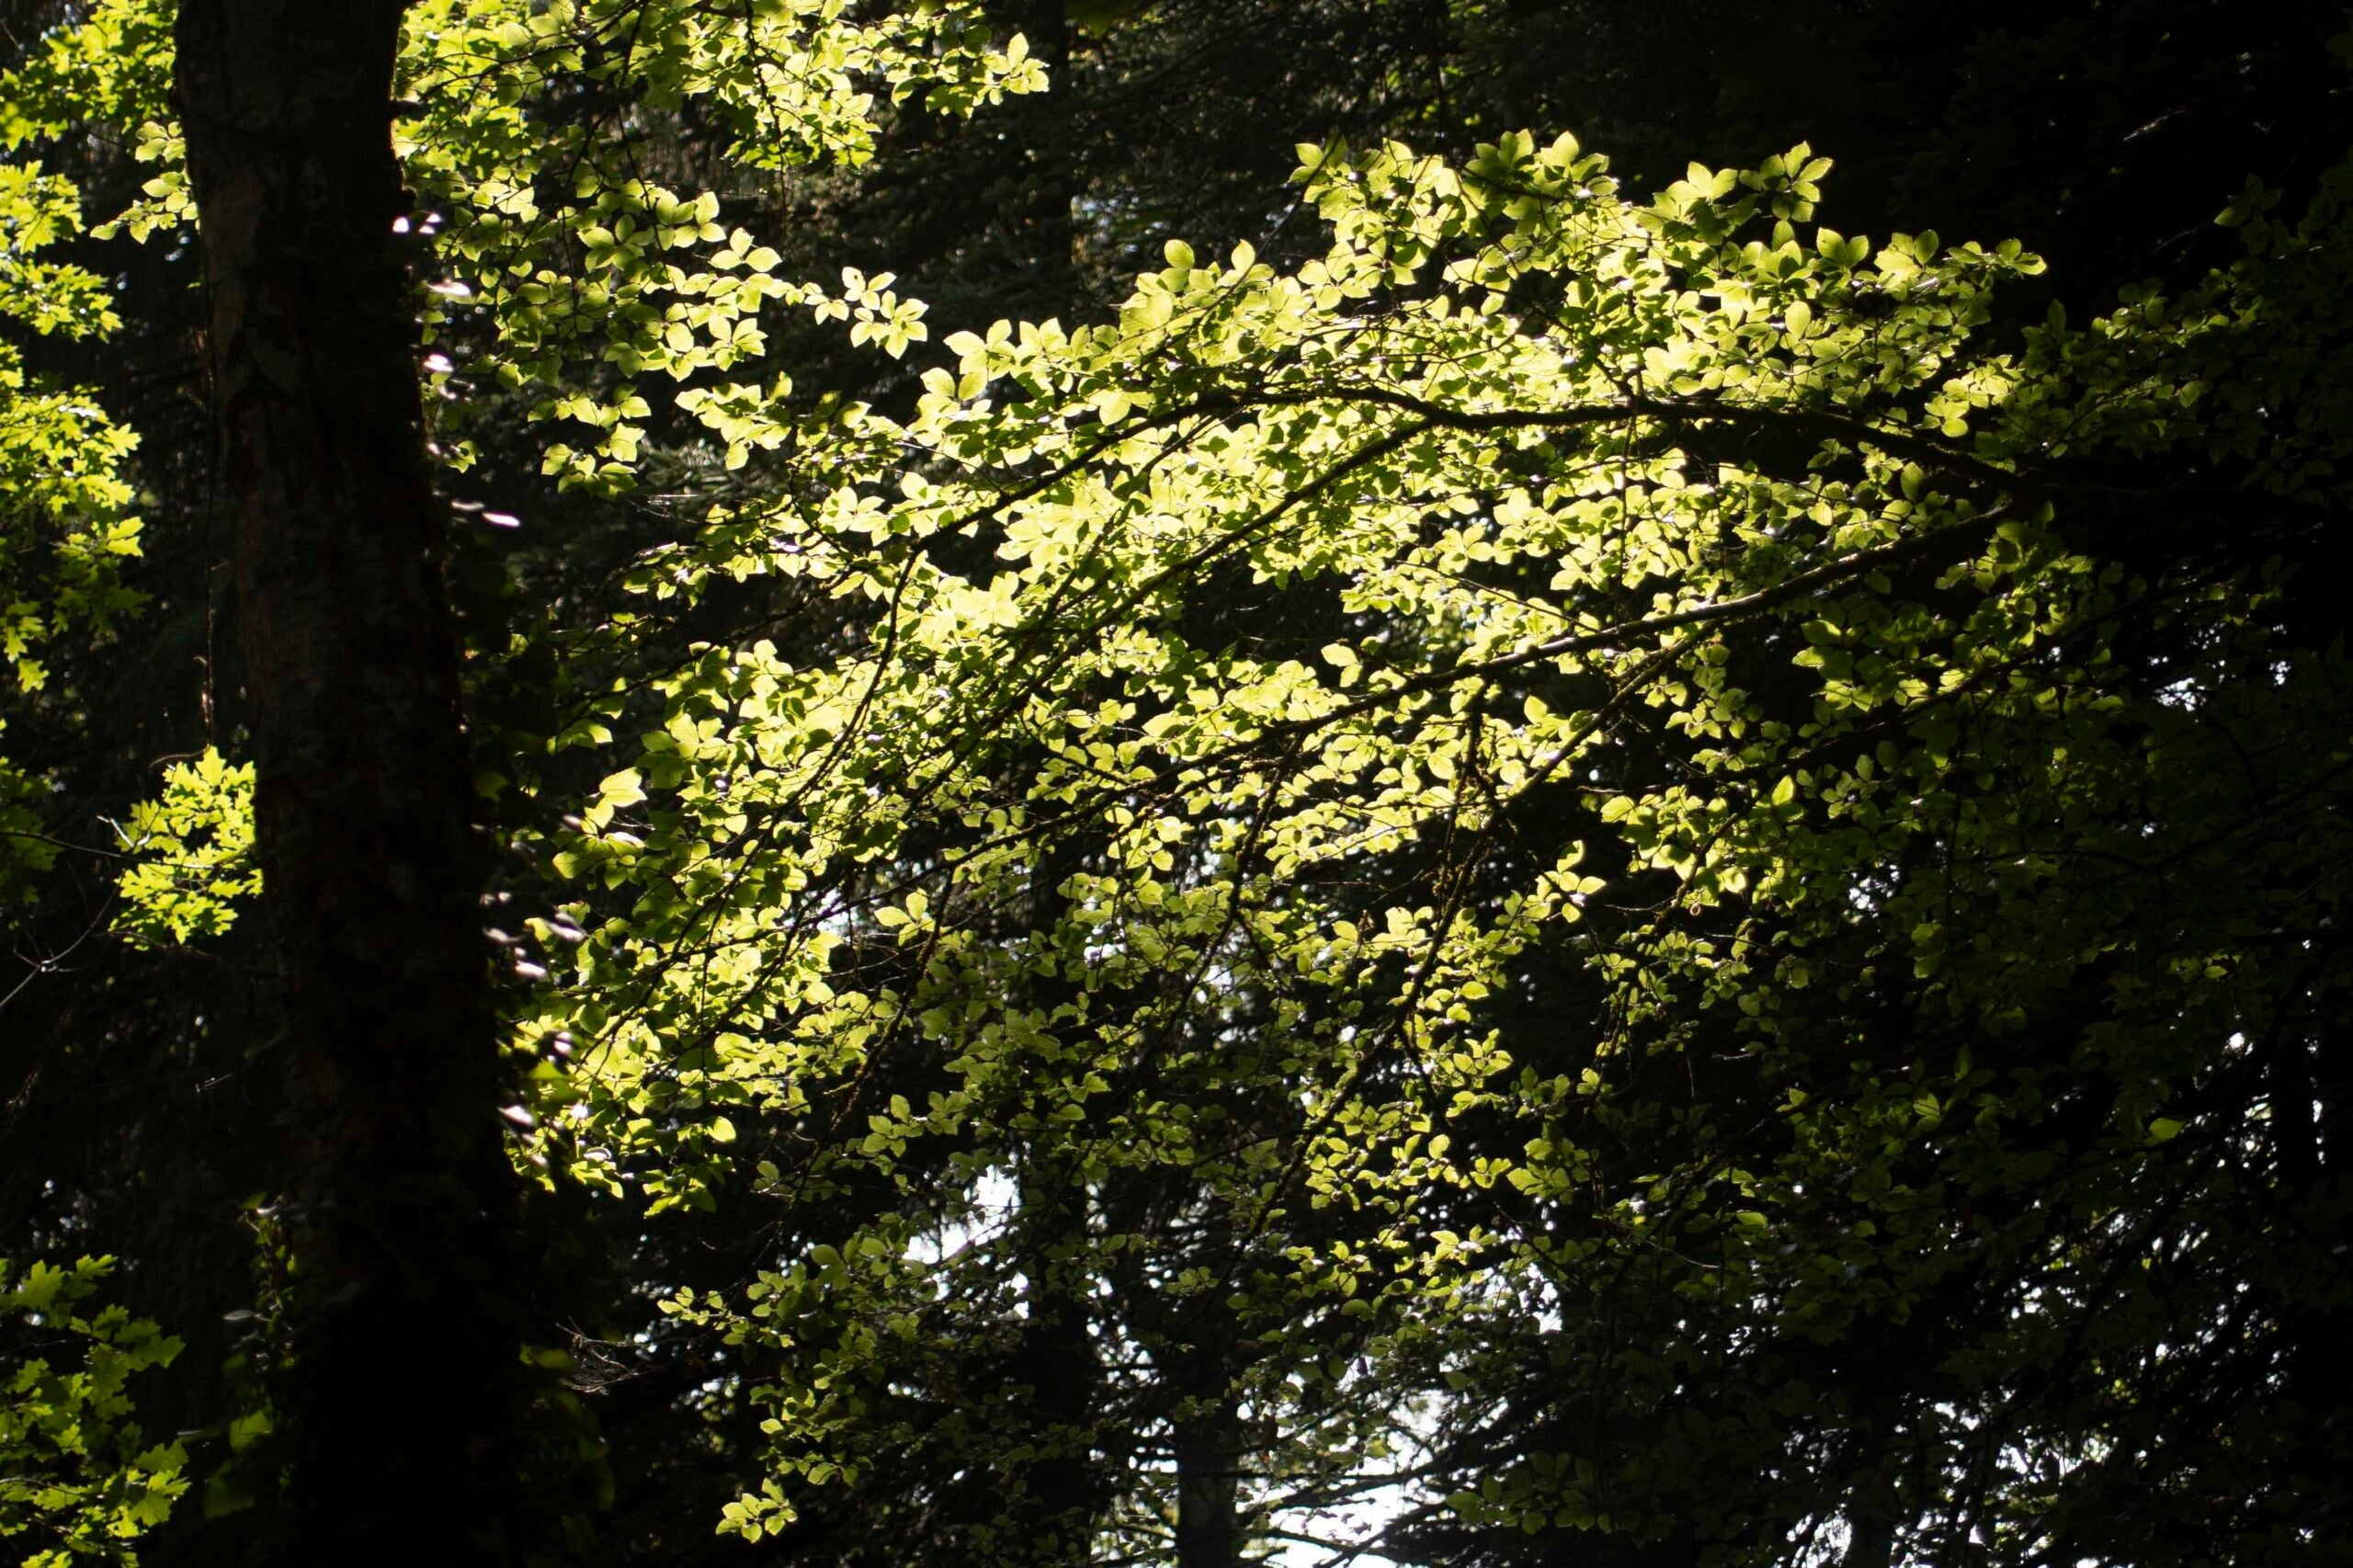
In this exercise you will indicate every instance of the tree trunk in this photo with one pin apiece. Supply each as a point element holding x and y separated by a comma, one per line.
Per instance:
<point>1057,1492</point>
<point>1209,1488</point>
<point>1039,217</point>
<point>399,1411</point>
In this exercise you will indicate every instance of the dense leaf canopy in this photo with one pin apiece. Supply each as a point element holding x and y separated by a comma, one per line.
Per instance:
<point>1543,872</point>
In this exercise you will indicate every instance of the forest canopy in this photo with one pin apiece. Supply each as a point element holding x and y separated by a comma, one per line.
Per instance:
<point>1055,783</point>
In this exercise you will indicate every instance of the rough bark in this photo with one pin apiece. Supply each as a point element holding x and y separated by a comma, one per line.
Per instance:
<point>399,1407</point>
